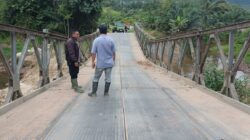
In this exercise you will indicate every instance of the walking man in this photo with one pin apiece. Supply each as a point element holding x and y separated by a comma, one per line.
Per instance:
<point>103,51</point>
<point>72,51</point>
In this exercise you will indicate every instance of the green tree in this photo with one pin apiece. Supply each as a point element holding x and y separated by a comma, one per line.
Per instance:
<point>2,8</point>
<point>183,11</point>
<point>211,11</point>
<point>109,15</point>
<point>178,24</point>
<point>235,14</point>
<point>85,14</point>
<point>35,14</point>
<point>66,15</point>
<point>214,78</point>
<point>56,15</point>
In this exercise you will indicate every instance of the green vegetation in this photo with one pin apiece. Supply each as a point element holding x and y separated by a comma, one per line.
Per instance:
<point>243,90</point>
<point>167,16</point>
<point>2,8</point>
<point>180,16</point>
<point>171,16</point>
<point>214,79</point>
<point>54,15</point>
<point>109,16</point>
<point>7,50</point>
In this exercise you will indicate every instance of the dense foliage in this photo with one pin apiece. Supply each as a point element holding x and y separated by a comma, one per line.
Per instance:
<point>56,15</point>
<point>2,5</point>
<point>84,13</point>
<point>172,16</point>
<point>168,16</point>
<point>214,79</point>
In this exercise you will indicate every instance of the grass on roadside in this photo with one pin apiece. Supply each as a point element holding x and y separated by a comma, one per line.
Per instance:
<point>7,51</point>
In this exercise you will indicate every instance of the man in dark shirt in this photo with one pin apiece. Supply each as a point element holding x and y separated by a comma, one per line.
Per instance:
<point>72,51</point>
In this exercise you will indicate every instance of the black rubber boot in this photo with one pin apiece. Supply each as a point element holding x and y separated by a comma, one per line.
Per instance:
<point>106,91</point>
<point>94,89</point>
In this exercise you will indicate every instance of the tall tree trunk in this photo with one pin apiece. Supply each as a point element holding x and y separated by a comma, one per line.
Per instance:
<point>68,26</point>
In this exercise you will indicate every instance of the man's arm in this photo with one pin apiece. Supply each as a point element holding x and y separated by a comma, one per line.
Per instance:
<point>114,56</point>
<point>93,54</point>
<point>113,50</point>
<point>93,60</point>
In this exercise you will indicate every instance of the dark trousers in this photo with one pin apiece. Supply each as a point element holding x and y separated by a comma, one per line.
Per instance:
<point>73,71</point>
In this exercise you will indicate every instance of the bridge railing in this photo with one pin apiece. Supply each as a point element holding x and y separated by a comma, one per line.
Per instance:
<point>197,44</point>
<point>43,45</point>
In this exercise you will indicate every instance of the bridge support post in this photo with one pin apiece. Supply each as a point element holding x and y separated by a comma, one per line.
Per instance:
<point>183,50</point>
<point>58,51</point>
<point>157,52</point>
<point>198,69</point>
<point>145,44</point>
<point>171,49</point>
<point>162,54</point>
<point>44,70</point>
<point>148,49</point>
<point>16,66</point>
<point>229,87</point>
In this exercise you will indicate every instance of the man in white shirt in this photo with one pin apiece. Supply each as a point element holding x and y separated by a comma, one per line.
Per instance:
<point>103,51</point>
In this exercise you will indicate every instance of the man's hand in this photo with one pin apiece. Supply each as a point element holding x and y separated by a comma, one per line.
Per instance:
<point>76,64</point>
<point>93,65</point>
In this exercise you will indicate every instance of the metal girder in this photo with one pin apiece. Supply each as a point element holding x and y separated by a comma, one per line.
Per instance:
<point>199,52</point>
<point>42,53</point>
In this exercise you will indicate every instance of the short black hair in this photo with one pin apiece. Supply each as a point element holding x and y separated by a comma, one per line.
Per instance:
<point>74,31</point>
<point>103,29</point>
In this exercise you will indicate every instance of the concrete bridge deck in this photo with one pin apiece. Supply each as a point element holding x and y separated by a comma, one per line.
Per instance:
<point>145,103</point>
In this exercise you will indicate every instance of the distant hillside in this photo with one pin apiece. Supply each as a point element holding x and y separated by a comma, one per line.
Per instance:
<point>243,3</point>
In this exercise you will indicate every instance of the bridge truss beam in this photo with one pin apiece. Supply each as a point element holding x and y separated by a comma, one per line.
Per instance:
<point>175,47</point>
<point>44,44</point>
